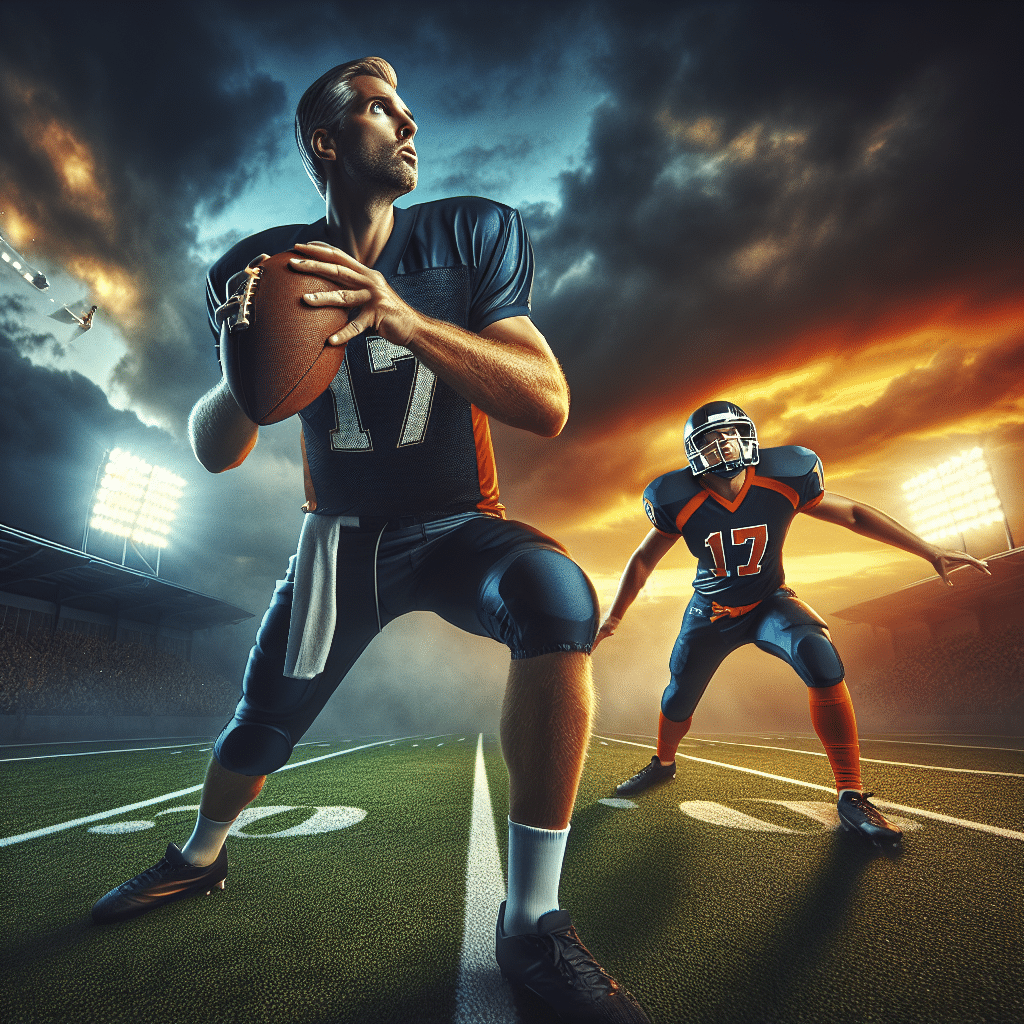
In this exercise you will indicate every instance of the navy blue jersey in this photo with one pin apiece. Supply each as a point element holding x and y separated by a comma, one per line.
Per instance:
<point>738,543</point>
<point>388,438</point>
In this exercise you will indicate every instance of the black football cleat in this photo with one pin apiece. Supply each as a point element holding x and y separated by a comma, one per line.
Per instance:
<point>858,814</point>
<point>556,967</point>
<point>171,878</point>
<point>654,774</point>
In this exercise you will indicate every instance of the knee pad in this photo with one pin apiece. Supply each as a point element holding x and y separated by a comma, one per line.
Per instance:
<point>820,660</point>
<point>251,748</point>
<point>681,697</point>
<point>549,602</point>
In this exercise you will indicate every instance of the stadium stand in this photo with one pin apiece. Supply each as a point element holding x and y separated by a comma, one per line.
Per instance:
<point>81,636</point>
<point>957,652</point>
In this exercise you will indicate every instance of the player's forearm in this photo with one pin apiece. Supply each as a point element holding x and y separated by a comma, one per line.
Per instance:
<point>870,522</point>
<point>517,384</point>
<point>634,578</point>
<point>221,434</point>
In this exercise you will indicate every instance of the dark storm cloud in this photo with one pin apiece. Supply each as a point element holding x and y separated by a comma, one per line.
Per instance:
<point>479,168</point>
<point>758,173</point>
<point>477,55</point>
<point>152,125</point>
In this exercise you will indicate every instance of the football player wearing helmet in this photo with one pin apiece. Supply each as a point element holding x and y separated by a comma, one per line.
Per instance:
<point>733,505</point>
<point>403,505</point>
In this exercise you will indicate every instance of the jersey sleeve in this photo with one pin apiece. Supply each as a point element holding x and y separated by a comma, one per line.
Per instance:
<point>812,486</point>
<point>663,522</point>
<point>504,277</point>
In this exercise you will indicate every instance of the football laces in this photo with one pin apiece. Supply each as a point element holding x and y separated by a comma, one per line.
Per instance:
<point>237,311</point>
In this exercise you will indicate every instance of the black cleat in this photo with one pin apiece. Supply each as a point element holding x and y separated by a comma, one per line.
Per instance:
<point>654,774</point>
<point>171,878</point>
<point>556,967</point>
<point>858,814</point>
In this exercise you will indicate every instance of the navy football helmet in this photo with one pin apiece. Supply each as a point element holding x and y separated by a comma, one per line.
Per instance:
<point>719,416</point>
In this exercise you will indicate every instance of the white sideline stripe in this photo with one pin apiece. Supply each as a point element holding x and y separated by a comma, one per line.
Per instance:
<point>955,746</point>
<point>119,750</point>
<point>871,760</point>
<point>64,825</point>
<point>482,997</point>
<point>994,830</point>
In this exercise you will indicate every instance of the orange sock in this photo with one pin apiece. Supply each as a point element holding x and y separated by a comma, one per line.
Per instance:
<point>836,725</point>
<point>669,735</point>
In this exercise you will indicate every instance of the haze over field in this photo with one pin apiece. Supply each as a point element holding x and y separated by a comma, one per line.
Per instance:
<point>814,210</point>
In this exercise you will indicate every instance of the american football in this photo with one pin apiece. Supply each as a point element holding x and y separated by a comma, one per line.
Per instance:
<point>273,346</point>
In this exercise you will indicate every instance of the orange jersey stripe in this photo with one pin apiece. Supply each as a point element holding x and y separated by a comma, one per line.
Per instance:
<point>811,503</point>
<point>774,485</point>
<point>689,508</point>
<point>732,503</point>
<point>487,471</point>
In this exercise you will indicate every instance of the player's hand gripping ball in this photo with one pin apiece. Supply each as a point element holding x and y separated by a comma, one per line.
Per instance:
<point>273,346</point>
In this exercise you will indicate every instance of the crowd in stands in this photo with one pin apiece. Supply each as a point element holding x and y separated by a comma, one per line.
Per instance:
<point>49,673</point>
<point>964,675</point>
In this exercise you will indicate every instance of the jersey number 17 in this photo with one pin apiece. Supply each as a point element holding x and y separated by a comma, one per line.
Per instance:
<point>755,536</point>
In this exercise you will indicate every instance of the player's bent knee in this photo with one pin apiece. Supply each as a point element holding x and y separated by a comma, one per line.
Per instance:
<point>679,701</point>
<point>549,602</point>
<point>252,748</point>
<point>821,661</point>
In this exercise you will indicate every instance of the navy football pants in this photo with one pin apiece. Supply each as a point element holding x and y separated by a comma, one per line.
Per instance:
<point>488,576</point>
<point>781,624</point>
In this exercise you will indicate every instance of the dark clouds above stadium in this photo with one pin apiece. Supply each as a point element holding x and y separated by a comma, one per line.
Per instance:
<point>824,197</point>
<point>761,175</point>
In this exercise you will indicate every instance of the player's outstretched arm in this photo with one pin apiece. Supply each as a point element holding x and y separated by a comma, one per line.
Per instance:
<point>638,569</point>
<point>507,371</point>
<point>221,434</point>
<point>870,522</point>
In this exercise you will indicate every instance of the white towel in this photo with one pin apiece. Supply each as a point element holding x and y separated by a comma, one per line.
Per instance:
<point>314,597</point>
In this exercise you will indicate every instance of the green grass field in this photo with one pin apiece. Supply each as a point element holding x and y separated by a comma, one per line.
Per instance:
<point>727,896</point>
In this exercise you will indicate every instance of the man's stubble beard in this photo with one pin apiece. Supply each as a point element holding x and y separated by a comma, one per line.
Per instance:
<point>381,172</point>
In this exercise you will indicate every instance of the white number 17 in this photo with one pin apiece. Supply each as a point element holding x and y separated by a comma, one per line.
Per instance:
<point>350,435</point>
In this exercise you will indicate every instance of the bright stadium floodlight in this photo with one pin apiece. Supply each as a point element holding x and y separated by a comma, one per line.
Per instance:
<point>955,497</point>
<point>136,501</point>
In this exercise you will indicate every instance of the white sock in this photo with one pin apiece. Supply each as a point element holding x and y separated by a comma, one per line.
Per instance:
<point>203,847</point>
<point>534,869</point>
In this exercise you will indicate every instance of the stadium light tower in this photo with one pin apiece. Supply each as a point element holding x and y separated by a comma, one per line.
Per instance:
<point>135,501</point>
<point>955,497</point>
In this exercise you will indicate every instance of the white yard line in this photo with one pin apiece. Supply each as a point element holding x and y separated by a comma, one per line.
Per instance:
<point>994,830</point>
<point>64,825</point>
<point>89,753</point>
<point>482,996</point>
<point>871,760</point>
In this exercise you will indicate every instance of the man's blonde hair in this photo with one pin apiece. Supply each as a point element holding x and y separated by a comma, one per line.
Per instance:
<point>326,104</point>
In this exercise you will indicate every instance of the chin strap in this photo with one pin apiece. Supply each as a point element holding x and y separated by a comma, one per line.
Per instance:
<point>726,474</point>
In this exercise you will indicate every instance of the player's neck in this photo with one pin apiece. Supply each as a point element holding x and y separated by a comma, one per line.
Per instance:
<point>725,488</point>
<point>360,225</point>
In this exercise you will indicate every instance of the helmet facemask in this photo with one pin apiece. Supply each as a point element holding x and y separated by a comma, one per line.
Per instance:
<point>707,455</point>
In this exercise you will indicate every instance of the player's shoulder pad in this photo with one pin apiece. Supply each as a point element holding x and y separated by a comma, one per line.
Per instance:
<point>787,461</point>
<point>462,230</point>
<point>670,492</point>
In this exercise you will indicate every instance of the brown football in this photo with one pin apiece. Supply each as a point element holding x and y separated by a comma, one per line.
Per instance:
<point>274,349</point>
